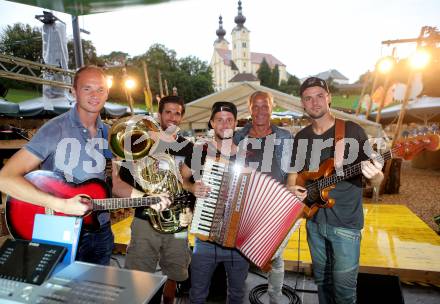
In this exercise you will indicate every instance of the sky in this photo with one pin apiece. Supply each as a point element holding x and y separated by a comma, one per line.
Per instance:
<point>309,37</point>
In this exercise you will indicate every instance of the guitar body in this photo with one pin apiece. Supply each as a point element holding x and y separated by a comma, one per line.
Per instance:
<point>317,198</point>
<point>20,215</point>
<point>320,183</point>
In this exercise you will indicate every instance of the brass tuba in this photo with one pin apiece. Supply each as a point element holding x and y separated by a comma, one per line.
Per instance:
<point>131,138</point>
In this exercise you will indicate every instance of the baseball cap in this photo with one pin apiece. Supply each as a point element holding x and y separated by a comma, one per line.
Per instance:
<point>223,106</point>
<point>313,82</point>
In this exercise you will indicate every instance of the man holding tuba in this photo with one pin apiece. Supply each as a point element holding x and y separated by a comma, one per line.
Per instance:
<point>153,240</point>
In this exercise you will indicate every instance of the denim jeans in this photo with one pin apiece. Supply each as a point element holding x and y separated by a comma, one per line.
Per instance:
<point>335,255</point>
<point>96,246</point>
<point>205,258</point>
<point>275,280</point>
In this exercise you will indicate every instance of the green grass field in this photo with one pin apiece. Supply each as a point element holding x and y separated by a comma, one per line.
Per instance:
<point>339,101</point>
<point>15,95</point>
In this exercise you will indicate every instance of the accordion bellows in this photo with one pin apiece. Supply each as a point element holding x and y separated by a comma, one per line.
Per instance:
<point>246,210</point>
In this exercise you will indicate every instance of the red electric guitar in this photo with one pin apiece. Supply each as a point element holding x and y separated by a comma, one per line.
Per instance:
<point>20,215</point>
<point>320,183</point>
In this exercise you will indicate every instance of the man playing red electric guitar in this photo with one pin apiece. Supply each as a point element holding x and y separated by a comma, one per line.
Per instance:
<point>73,145</point>
<point>333,234</point>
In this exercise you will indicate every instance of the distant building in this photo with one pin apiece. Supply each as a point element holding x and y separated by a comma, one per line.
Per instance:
<point>335,75</point>
<point>238,64</point>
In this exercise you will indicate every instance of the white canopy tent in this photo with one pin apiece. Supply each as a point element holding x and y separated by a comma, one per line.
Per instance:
<point>198,111</point>
<point>424,109</point>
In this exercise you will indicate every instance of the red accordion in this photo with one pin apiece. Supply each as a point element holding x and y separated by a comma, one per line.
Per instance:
<point>247,210</point>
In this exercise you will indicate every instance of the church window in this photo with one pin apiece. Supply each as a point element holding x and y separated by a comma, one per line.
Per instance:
<point>243,44</point>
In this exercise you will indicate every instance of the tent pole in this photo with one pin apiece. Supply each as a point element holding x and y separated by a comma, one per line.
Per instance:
<point>77,45</point>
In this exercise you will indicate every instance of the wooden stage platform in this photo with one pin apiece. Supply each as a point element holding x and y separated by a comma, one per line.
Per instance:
<point>394,242</point>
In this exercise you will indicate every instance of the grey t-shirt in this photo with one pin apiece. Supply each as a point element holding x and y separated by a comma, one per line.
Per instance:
<point>307,155</point>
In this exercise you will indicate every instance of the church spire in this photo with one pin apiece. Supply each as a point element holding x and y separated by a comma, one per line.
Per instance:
<point>240,19</point>
<point>220,31</point>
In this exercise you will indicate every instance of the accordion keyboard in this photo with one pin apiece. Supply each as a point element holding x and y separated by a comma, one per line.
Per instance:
<point>204,213</point>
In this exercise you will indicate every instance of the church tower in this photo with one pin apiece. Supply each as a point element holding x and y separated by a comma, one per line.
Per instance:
<point>221,42</point>
<point>241,54</point>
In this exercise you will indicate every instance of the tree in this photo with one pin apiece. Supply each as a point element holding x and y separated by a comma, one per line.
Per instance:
<point>291,86</point>
<point>264,73</point>
<point>332,85</point>
<point>191,76</point>
<point>89,54</point>
<point>23,41</point>
<point>115,58</point>
<point>158,58</point>
<point>275,79</point>
<point>193,79</point>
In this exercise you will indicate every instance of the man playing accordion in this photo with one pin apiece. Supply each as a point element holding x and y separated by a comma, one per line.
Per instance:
<point>207,255</point>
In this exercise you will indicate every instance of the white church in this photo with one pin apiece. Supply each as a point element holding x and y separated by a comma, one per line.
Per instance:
<point>238,64</point>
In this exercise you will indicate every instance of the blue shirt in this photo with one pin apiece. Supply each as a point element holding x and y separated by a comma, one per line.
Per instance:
<point>66,147</point>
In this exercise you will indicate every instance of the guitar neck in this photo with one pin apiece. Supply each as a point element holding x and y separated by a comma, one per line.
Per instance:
<point>349,172</point>
<point>118,203</point>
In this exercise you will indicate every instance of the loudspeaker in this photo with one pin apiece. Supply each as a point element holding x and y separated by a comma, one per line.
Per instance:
<point>377,289</point>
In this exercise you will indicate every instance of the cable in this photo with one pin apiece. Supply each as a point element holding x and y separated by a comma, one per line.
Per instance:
<point>117,262</point>
<point>289,292</point>
<point>259,290</point>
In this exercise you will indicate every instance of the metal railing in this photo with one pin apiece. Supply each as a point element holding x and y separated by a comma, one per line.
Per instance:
<point>15,68</point>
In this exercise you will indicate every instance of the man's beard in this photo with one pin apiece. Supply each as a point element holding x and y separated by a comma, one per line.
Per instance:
<point>318,116</point>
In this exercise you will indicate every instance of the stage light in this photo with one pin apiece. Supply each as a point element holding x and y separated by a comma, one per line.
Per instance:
<point>419,59</point>
<point>130,83</point>
<point>109,81</point>
<point>385,65</point>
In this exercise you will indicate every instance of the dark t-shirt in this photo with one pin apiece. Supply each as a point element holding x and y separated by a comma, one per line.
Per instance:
<point>310,150</point>
<point>196,160</point>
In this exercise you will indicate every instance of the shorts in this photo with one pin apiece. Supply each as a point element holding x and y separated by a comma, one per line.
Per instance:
<point>149,247</point>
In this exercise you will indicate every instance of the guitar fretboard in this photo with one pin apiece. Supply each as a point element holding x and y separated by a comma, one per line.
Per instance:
<point>118,203</point>
<point>346,173</point>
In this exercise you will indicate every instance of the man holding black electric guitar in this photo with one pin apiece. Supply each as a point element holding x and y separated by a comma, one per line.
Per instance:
<point>72,150</point>
<point>333,234</point>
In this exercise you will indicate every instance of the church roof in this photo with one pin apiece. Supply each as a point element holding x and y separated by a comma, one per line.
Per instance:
<point>256,58</point>
<point>270,59</point>
<point>334,74</point>
<point>240,77</point>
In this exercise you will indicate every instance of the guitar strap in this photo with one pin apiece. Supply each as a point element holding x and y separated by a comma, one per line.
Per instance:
<point>339,145</point>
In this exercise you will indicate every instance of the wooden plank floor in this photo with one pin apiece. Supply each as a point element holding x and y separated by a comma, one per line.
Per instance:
<point>394,241</point>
